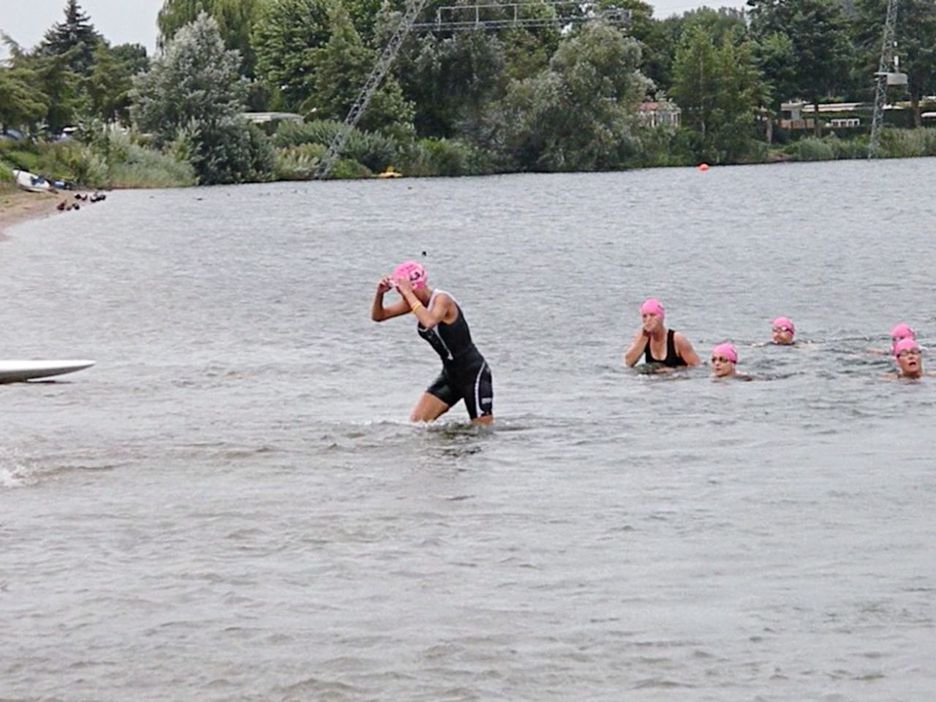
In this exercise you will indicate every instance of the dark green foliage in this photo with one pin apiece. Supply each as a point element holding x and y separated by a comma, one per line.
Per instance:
<point>341,68</point>
<point>111,80</point>
<point>445,157</point>
<point>22,103</point>
<point>286,37</point>
<point>235,18</point>
<point>576,115</point>
<point>821,52</point>
<point>451,79</point>
<point>225,152</point>
<point>719,90</point>
<point>74,37</point>
<point>916,46</point>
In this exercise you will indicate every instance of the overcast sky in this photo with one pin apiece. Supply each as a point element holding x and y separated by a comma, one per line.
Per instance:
<point>134,21</point>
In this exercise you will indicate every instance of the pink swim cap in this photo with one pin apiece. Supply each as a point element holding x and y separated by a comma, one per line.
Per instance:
<point>784,323</point>
<point>652,306</point>
<point>907,344</point>
<point>727,350</point>
<point>900,332</point>
<point>413,271</point>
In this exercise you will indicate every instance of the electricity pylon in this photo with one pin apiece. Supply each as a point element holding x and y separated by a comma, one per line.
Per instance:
<point>887,74</point>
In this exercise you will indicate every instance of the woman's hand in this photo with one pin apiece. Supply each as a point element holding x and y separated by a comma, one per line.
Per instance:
<point>384,285</point>
<point>403,286</point>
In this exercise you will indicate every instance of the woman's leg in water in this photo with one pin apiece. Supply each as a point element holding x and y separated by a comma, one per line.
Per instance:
<point>427,408</point>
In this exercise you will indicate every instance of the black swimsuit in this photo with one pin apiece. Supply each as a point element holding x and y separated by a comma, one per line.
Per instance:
<point>465,374</point>
<point>673,359</point>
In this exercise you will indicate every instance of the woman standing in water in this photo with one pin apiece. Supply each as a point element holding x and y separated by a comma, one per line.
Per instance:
<point>660,346</point>
<point>465,374</point>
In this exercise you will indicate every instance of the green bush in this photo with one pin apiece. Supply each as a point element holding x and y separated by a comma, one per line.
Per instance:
<point>445,157</point>
<point>347,168</point>
<point>372,149</point>
<point>811,149</point>
<point>77,162</point>
<point>297,133</point>
<point>147,168</point>
<point>298,162</point>
<point>908,143</point>
<point>225,152</point>
<point>18,157</point>
<point>854,148</point>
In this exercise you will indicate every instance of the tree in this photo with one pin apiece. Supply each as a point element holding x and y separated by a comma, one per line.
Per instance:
<point>341,68</point>
<point>696,83</point>
<point>774,56</point>
<point>111,80</point>
<point>286,37</point>
<point>916,44</point>
<point>195,79</point>
<point>21,103</point>
<point>719,89</point>
<point>62,87</point>
<point>452,79</point>
<point>193,96</point>
<point>75,36</point>
<point>660,39</point>
<point>235,18</point>
<point>818,31</point>
<point>578,114</point>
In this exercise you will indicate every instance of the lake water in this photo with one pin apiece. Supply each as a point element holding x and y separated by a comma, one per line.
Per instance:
<point>231,504</point>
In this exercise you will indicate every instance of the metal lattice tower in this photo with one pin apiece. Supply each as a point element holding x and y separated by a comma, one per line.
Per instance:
<point>885,70</point>
<point>482,15</point>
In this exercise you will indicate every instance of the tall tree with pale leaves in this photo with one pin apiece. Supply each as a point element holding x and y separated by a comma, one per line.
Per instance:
<point>193,95</point>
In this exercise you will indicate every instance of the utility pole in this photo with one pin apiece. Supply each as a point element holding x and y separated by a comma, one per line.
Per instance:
<point>887,74</point>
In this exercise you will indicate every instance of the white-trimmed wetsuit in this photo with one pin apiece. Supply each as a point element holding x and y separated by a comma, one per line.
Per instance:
<point>465,374</point>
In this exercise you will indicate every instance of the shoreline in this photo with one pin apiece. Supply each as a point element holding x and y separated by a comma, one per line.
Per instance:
<point>18,206</point>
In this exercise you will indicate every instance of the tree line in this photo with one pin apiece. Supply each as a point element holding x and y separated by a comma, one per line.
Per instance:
<point>556,97</point>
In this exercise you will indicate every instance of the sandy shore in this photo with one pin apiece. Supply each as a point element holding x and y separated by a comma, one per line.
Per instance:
<point>18,205</point>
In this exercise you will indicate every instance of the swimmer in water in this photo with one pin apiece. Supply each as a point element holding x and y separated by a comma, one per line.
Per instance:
<point>662,347</point>
<point>724,360</point>
<point>898,333</point>
<point>782,331</point>
<point>909,359</point>
<point>465,374</point>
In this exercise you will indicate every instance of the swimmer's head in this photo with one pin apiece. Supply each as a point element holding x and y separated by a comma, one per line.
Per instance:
<point>907,354</point>
<point>898,333</point>
<point>412,271</point>
<point>782,330</point>
<point>724,358</point>
<point>653,306</point>
<point>906,345</point>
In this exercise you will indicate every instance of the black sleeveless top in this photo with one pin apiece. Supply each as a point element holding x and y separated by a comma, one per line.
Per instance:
<point>452,341</point>
<point>673,359</point>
